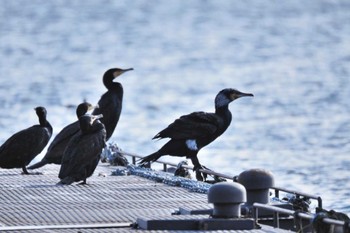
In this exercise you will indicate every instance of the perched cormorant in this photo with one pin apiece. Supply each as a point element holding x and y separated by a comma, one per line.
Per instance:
<point>58,145</point>
<point>23,146</point>
<point>110,104</point>
<point>192,132</point>
<point>83,151</point>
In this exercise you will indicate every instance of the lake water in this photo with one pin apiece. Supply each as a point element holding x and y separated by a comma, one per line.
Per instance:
<point>293,55</point>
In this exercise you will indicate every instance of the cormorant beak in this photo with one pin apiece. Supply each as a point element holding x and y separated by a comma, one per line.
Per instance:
<point>96,117</point>
<point>94,107</point>
<point>128,70</point>
<point>117,73</point>
<point>246,94</point>
<point>239,95</point>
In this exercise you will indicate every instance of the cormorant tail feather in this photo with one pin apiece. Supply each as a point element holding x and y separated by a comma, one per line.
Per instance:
<point>66,181</point>
<point>38,164</point>
<point>150,158</point>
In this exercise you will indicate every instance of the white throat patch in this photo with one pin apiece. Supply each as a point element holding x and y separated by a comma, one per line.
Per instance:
<point>191,144</point>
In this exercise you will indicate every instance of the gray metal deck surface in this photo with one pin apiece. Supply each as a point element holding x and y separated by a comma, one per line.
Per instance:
<point>36,200</point>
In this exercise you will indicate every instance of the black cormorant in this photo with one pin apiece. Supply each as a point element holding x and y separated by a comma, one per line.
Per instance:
<point>83,151</point>
<point>58,145</point>
<point>110,104</point>
<point>192,132</point>
<point>23,146</point>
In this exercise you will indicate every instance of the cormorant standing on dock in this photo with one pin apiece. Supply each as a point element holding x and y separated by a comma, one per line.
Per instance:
<point>55,151</point>
<point>23,146</point>
<point>192,132</point>
<point>110,104</point>
<point>83,151</point>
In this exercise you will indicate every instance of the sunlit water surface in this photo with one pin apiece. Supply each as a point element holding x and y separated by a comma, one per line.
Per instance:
<point>293,55</point>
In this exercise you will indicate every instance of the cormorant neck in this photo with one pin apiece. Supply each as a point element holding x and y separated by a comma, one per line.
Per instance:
<point>42,120</point>
<point>44,123</point>
<point>222,109</point>
<point>84,129</point>
<point>109,84</point>
<point>115,88</point>
<point>81,112</point>
<point>97,126</point>
<point>225,113</point>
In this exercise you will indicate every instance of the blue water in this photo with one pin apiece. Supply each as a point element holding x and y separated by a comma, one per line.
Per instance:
<point>293,55</point>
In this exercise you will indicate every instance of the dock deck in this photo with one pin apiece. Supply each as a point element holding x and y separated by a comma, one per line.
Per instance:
<point>34,203</point>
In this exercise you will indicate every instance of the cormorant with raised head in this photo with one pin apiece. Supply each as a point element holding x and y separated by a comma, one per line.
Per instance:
<point>55,151</point>
<point>110,104</point>
<point>23,146</point>
<point>83,151</point>
<point>192,132</point>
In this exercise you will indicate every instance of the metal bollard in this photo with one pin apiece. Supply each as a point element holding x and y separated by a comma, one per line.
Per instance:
<point>257,182</point>
<point>227,198</point>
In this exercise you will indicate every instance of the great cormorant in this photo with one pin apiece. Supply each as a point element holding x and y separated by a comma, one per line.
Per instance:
<point>192,132</point>
<point>23,146</point>
<point>58,145</point>
<point>83,151</point>
<point>110,104</point>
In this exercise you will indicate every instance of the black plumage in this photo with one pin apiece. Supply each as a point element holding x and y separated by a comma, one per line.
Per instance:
<point>110,104</point>
<point>83,151</point>
<point>55,151</point>
<point>190,133</point>
<point>23,146</point>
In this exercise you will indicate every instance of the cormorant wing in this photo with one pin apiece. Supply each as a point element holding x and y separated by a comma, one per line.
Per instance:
<point>106,102</point>
<point>192,126</point>
<point>110,107</point>
<point>65,133</point>
<point>13,142</point>
<point>25,143</point>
